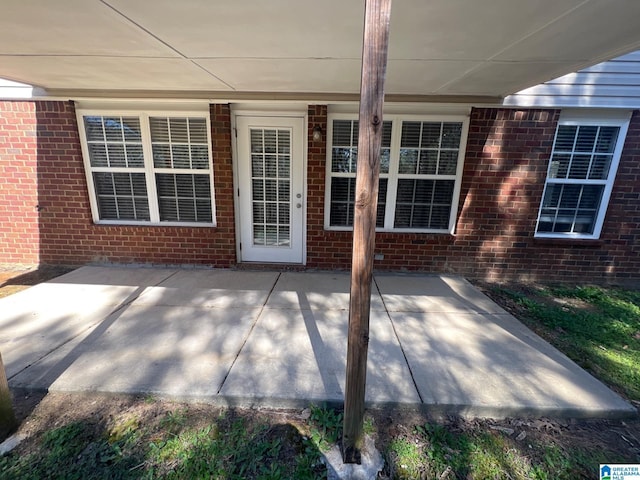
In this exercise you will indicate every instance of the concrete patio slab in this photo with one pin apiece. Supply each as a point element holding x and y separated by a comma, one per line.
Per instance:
<point>116,276</point>
<point>295,356</point>
<point>173,351</point>
<point>27,338</point>
<point>432,293</point>
<point>279,364</point>
<point>491,365</point>
<point>221,280</point>
<point>40,374</point>
<point>323,290</point>
<point>279,339</point>
<point>202,297</point>
<point>35,322</point>
<point>212,289</point>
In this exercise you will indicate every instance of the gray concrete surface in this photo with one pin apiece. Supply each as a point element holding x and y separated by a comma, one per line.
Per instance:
<point>279,339</point>
<point>300,342</point>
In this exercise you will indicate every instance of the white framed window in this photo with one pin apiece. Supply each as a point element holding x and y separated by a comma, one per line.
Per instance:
<point>148,167</point>
<point>421,162</point>
<point>580,176</point>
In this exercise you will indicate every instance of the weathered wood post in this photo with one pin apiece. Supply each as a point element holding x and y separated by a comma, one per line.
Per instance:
<point>374,65</point>
<point>7,416</point>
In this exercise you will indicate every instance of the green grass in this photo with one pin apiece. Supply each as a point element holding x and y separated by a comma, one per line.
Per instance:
<point>481,455</point>
<point>601,332</point>
<point>176,446</point>
<point>71,452</point>
<point>406,458</point>
<point>179,444</point>
<point>229,449</point>
<point>474,455</point>
<point>208,453</point>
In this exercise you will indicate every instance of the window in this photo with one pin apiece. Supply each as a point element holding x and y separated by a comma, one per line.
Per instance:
<point>420,171</point>
<point>580,177</point>
<point>147,168</point>
<point>344,156</point>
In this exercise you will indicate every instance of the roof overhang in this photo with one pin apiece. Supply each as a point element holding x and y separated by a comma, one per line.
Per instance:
<point>460,50</point>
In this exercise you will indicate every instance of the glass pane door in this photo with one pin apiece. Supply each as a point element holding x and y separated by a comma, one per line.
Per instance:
<point>271,192</point>
<point>271,186</point>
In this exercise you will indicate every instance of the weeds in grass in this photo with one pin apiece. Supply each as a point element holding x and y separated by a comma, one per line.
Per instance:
<point>175,419</point>
<point>326,427</point>
<point>368,426</point>
<point>406,459</point>
<point>234,454</point>
<point>479,455</point>
<point>67,440</point>
<point>229,449</point>
<point>70,452</point>
<point>124,431</point>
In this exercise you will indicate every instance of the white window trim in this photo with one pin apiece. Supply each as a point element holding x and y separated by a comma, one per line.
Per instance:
<point>149,170</point>
<point>393,175</point>
<point>580,118</point>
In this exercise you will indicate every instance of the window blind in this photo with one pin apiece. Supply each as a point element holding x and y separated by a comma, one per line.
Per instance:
<point>418,173</point>
<point>176,172</point>
<point>576,178</point>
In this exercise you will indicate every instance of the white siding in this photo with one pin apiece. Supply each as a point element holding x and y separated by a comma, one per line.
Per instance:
<point>10,89</point>
<point>613,84</point>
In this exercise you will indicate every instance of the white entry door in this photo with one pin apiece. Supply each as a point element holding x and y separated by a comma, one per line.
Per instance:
<point>270,162</point>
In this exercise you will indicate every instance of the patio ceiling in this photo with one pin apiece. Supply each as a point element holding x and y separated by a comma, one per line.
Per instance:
<point>227,49</point>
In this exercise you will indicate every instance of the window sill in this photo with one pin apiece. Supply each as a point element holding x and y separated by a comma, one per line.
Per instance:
<point>107,223</point>
<point>571,241</point>
<point>393,230</point>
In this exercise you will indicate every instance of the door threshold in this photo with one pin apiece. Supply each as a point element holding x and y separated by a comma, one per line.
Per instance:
<point>280,267</point>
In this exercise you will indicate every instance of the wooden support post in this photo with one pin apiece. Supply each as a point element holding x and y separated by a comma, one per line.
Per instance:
<point>7,417</point>
<point>374,65</point>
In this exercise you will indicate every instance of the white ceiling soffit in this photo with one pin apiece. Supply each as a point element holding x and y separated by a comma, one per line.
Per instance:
<point>222,48</point>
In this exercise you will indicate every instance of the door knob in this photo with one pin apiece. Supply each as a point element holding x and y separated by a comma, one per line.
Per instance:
<point>298,205</point>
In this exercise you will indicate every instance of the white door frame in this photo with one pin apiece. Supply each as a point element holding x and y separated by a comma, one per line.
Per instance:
<point>270,113</point>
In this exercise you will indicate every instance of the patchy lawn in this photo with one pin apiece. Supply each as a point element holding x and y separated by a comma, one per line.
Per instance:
<point>119,437</point>
<point>85,436</point>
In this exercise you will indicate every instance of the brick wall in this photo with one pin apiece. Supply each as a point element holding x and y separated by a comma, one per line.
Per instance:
<point>504,172</point>
<point>66,230</point>
<point>619,256</point>
<point>319,242</point>
<point>505,169</point>
<point>19,234</point>
<point>507,151</point>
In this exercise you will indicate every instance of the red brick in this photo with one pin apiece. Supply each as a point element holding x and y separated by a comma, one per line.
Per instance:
<point>505,166</point>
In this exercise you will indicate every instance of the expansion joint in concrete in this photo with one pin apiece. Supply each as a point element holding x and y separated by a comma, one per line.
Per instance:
<point>246,338</point>
<point>395,332</point>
